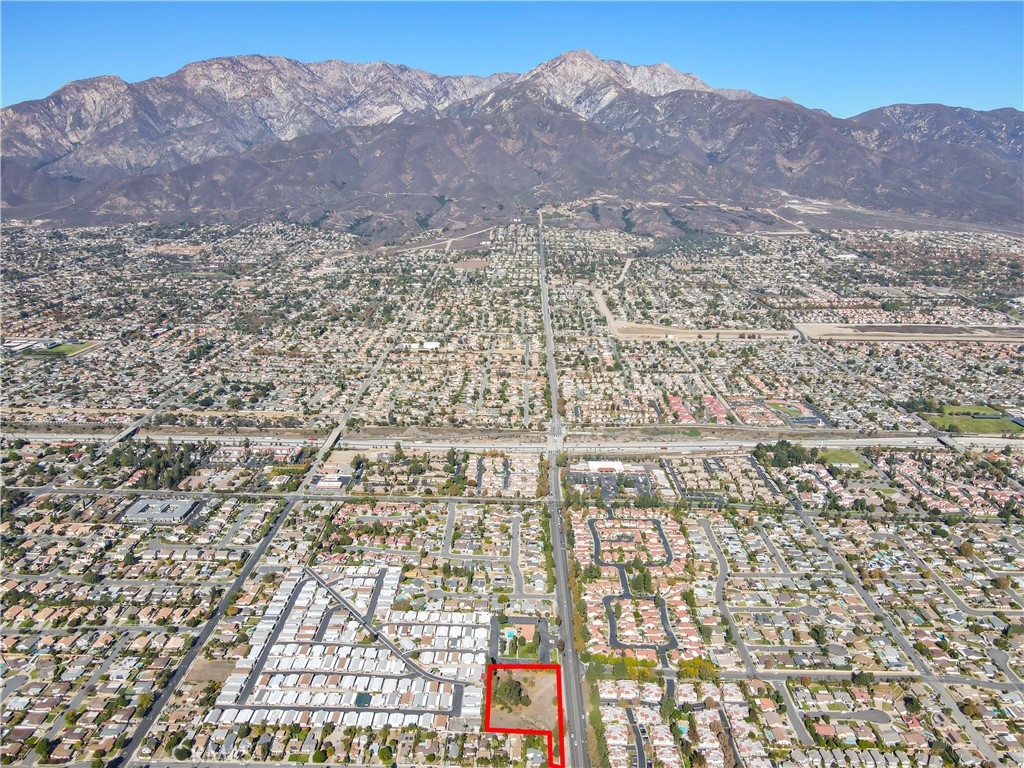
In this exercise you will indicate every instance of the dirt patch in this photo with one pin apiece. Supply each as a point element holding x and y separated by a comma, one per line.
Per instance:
<point>342,457</point>
<point>470,264</point>
<point>533,704</point>
<point>992,334</point>
<point>206,671</point>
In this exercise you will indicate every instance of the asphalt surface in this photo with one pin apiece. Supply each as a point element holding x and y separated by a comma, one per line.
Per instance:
<point>576,442</point>
<point>517,572</point>
<point>723,608</point>
<point>572,668</point>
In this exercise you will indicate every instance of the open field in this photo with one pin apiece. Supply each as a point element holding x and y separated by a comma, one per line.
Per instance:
<point>843,456</point>
<point>972,425</point>
<point>207,671</point>
<point>540,714</point>
<point>65,350</point>
<point>968,410</point>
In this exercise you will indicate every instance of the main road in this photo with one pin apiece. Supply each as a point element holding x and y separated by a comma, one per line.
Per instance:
<point>572,668</point>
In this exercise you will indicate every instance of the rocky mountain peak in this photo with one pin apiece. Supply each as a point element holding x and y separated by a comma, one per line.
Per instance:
<point>578,68</point>
<point>586,84</point>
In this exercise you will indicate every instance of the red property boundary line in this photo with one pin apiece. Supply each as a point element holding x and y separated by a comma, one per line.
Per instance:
<point>491,668</point>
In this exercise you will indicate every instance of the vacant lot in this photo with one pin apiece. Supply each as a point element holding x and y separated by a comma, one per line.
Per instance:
<point>541,714</point>
<point>206,671</point>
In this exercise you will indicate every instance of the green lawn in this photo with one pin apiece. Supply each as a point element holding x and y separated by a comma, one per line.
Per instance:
<point>844,456</point>
<point>63,350</point>
<point>970,425</point>
<point>788,410</point>
<point>527,651</point>
<point>967,410</point>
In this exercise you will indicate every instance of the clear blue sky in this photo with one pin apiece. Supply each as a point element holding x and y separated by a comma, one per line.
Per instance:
<point>842,57</point>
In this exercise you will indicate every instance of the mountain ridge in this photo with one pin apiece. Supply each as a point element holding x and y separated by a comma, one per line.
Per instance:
<point>573,126</point>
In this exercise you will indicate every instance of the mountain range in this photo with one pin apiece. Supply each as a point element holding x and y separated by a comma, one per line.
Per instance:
<point>382,149</point>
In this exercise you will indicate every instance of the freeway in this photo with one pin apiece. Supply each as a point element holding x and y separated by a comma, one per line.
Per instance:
<point>572,667</point>
<point>583,443</point>
<point>171,395</point>
<point>551,443</point>
<point>556,433</point>
<point>574,443</point>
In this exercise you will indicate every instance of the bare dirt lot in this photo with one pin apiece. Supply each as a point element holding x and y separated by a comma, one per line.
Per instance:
<point>912,333</point>
<point>542,712</point>
<point>205,671</point>
<point>470,264</point>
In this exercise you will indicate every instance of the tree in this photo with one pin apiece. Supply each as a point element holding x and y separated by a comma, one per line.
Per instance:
<point>511,693</point>
<point>385,755</point>
<point>43,748</point>
<point>819,634</point>
<point>668,709</point>
<point>967,549</point>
